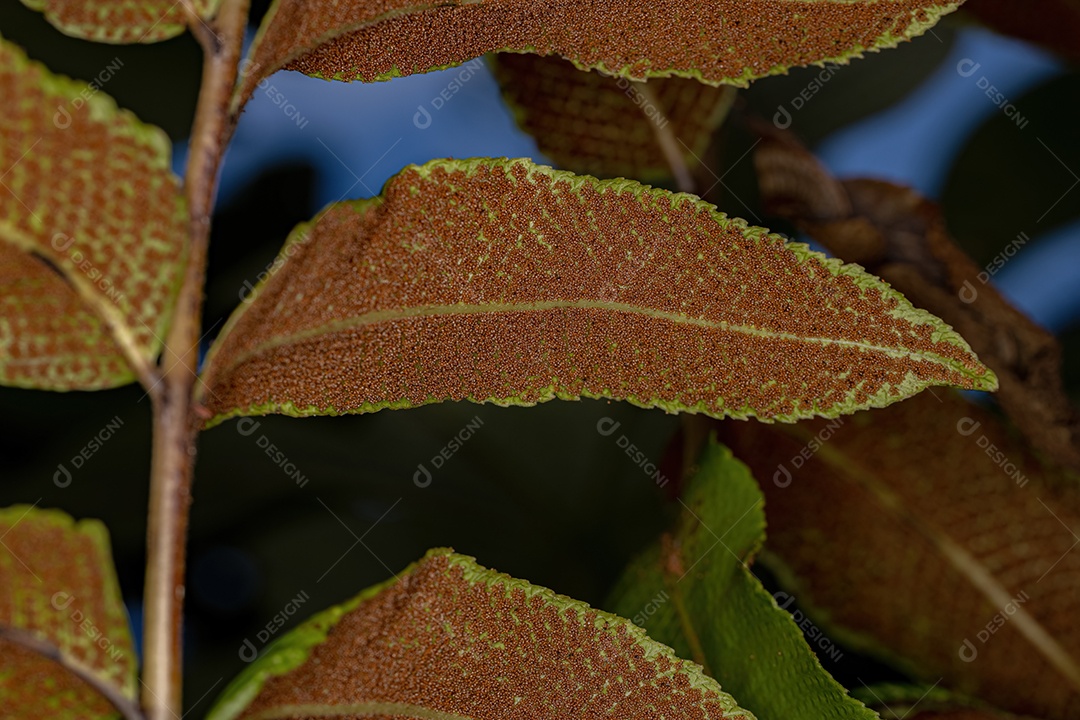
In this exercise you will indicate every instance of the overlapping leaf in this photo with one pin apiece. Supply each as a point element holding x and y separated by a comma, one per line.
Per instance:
<point>900,236</point>
<point>64,638</point>
<point>927,533</point>
<point>590,123</point>
<point>715,41</point>
<point>450,639</point>
<point>694,591</point>
<point>122,21</point>
<point>92,228</point>
<point>502,281</point>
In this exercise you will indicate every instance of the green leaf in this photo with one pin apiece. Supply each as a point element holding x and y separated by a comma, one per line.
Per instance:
<point>450,639</point>
<point>92,233</point>
<point>129,21</point>
<point>65,649</point>
<point>929,535</point>
<point>714,41</point>
<point>693,590</point>
<point>507,282</point>
<point>590,123</point>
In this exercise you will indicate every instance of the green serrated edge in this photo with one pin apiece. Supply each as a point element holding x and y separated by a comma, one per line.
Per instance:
<point>886,40</point>
<point>104,109</point>
<point>98,534</point>
<point>293,649</point>
<point>941,332</point>
<point>103,33</point>
<point>719,471</point>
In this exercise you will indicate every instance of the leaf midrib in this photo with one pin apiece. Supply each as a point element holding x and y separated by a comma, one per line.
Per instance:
<point>981,578</point>
<point>378,316</point>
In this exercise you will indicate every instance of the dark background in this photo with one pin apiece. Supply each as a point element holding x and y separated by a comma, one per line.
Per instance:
<point>536,492</point>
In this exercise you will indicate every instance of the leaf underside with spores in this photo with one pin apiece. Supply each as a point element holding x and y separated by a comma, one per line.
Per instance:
<point>590,123</point>
<point>507,282</point>
<point>909,531</point>
<point>92,228</point>
<point>450,639</point>
<point>694,591</point>
<point>130,21</point>
<point>714,41</point>
<point>61,619</point>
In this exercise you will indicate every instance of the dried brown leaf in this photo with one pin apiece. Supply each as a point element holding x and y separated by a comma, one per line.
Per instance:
<point>901,237</point>
<point>594,124</point>
<point>927,533</point>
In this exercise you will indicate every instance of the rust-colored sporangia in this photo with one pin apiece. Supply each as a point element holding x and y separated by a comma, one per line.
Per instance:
<point>92,229</point>
<point>449,639</point>
<point>507,282</point>
<point>901,236</point>
<point>590,123</point>
<point>61,619</point>
<point>928,534</point>
<point>714,41</point>
<point>130,21</point>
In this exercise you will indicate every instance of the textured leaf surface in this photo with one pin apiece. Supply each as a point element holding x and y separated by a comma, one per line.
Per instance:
<point>92,228</point>
<point>897,234</point>
<point>121,21</point>
<point>694,591</point>
<point>450,639</point>
<point>502,281</point>
<point>910,538</point>
<point>58,586</point>
<point>594,124</point>
<point>715,41</point>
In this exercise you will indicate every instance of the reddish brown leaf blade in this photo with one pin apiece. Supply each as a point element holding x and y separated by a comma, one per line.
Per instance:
<point>594,124</point>
<point>58,590</point>
<point>131,21</point>
<point>715,41</point>
<point>899,235</point>
<point>502,281</point>
<point>450,639</point>
<point>53,323</point>
<point>928,534</point>
<point>88,201</point>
